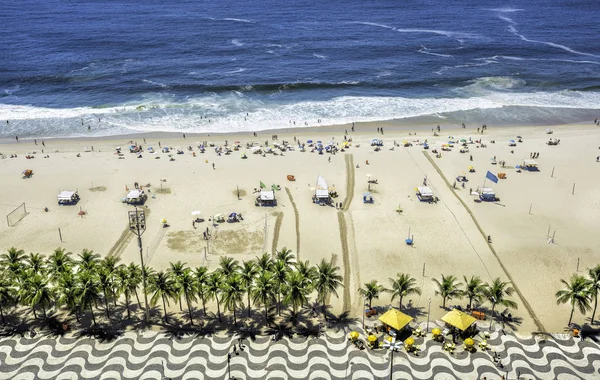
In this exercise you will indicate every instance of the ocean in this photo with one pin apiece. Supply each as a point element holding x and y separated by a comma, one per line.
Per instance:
<point>72,68</point>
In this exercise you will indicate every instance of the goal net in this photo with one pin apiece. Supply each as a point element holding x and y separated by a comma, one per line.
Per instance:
<point>15,216</point>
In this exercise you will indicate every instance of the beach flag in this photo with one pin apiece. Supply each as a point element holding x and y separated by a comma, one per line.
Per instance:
<point>491,177</point>
<point>263,186</point>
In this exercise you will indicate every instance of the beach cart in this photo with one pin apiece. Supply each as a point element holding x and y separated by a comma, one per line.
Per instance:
<point>68,198</point>
<point>27,173</point>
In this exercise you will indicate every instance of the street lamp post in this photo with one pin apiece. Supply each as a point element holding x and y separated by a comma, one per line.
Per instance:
<point>363,312</point>
<point>229,366</point>
<point>392,346</point>
<point>137,225</point>
<point>492,315</point>
<point>428,311</point>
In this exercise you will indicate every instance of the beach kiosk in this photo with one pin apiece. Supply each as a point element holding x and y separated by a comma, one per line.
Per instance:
<point>266,198</point>
<point>396,320</point>
<point>321,196</point>
<point>68,198</point>
<point>459,320</point>
<point>530,165</point>
<point>487,194</point>
<point>425,194</point>
<point>136,197</point>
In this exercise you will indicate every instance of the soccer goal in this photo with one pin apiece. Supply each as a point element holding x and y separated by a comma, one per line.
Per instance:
<point>15,216</point>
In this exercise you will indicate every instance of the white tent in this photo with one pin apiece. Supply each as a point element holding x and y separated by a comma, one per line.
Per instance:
<point>322,190</point>
<point>134,194</point>
<point>425,191</point>
<point>267,195</point>
<point>66,195</point>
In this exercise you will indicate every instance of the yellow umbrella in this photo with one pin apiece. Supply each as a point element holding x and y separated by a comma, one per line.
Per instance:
<point>409,341</point>
<point>458,319</point>
<point>163,221</point>
<point>372,338</point>
<point>469,342</point>
<point>437,331</point>
<point>395,319</point>
<point>354,335</point>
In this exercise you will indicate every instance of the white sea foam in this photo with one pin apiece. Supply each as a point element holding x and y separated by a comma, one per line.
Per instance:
<point>237,42</point>
<point>227,113</point>
<point>320,56</point>
<point>155,83</point>
<point>428,51</point>
<point>238,20</point>
<point>236,71</point>
<point>446,33</point>
<point>506,10</point>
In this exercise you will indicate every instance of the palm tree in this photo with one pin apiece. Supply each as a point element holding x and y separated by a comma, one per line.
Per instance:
<point>327,282</point>
<point>187,285</point>
<point>594,275</point>
<point>213,289</point>
<point>228,266</point>
<point>371,290</point>
<point>264,292</point>
<point>308,271</point>
<point>577,293</point>
<point>279,270</point>
<point>106,283</point>
<point>37,292</point>
<point>58,263</point>
<point>162,286</point>
<point>176,270</point>
<point>123,285</point>
<point>286,256</point>
<point>496,293</point>
<point>403,285</point>
<point>201,274</point>
<point>89,292</point>
<point>247,274</point>
<point>295,291</point>
<point>88,261</point>
<point>6,294</point>
<point>109,265</point>
<point>473,289</point>
<point>12,260</point>
<point>69,292</point>
<point>35,263</point>
<point>448,288</point>
<point>135,279</point>
<point>233,294</point>
<point>264,262</point>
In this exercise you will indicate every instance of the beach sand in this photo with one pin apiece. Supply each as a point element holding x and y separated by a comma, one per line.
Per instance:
<point>367,241</point>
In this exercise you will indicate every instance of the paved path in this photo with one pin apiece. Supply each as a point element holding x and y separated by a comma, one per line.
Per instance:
<point>142,356</point>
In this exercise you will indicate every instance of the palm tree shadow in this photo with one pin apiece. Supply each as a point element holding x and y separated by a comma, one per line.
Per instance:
<point>413,311</point>
<point>342,321</point>
<point>104,333</point>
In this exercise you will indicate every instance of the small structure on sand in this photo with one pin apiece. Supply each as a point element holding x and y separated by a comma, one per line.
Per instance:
<point>136,197</point>
<point>321,196</point>
<point>530,165</point>
<point>425,194</point>
<point>68,198</point>
<point>487,194</point>
<point>266,198</point>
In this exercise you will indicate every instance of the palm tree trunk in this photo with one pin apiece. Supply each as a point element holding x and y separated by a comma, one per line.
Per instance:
<point>187,300</point>
<point>370,302</point>
<point>203,305</point>
<point>234,318</point>
<point>93,318</point>
<point>595,306</point>
<point>266,316</point>
<point>218,308</point>
<point>571,317</point>
<point>34,313</point>
<point>106,306</point>
<point>279,301</point>
<point>165,308</point>
<point>180,306</point>
<point>470,302</point>
<point>400,305</point>
<point>2,315</point>
<point>249,304</point>
<point>137,296</point>
<point>324,309</point>
<point>444,303</point>
<point>44,312</point>
<point>114,297</point>
<point>127,303</point>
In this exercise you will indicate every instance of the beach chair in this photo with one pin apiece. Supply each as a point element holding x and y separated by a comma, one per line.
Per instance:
<point>291,177</point>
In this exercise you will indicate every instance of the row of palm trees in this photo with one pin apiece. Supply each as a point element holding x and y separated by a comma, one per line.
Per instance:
<point>87,282</point>
<point>448,287</point>
<point>580,292</point>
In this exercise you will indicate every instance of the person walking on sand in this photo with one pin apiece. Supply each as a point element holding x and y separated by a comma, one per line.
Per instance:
<point>213,166</point>
<point>17,138</point>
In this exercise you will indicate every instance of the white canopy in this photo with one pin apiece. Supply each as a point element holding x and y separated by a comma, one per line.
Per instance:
<point>66,195</point>
<point>487,190</point>
<point>322,193</point>
<point>267,195</point>
<point>133,194</point>
<point>425,191</point>
<point>321,183</point>
<point>530,162</point>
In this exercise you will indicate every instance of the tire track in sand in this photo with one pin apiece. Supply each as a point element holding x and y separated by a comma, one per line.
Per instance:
<point>279,219</point>
<point>532,314</point>
<point>343,227</point>
<point>297,218</point>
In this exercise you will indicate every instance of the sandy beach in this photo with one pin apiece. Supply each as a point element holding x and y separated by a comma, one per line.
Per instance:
<point>367,241</point>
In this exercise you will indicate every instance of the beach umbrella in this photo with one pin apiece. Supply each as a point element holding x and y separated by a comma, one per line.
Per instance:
<point>463,140</point>
<point>512,140</point>
<point>469,342</point>
<point>309,141</point>
<point>196,213</point>
<point>409,341</point>
<point>436,331</point>
<point>374,141</point>
<point>319,142</point>
<point>372,338</point>
<point>163,221</point>
<point>236,142</point>
<point>354,335</point>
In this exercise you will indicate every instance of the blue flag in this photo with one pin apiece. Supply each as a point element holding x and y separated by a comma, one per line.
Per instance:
<point>491,177</point>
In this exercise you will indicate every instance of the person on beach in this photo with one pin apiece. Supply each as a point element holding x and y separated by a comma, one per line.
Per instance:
<point>35,141</point>
<point>17,138</point>
<point>184,135</point>
<point>213,166</point>
<point>43,144</point>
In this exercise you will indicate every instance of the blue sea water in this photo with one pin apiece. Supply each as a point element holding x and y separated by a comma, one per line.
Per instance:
<point>233,65</point>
